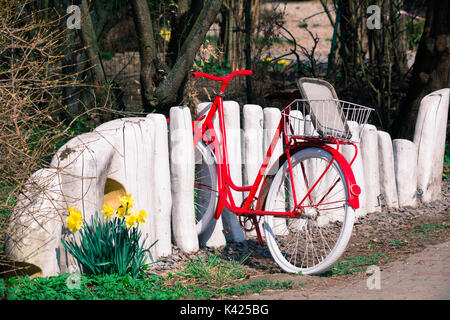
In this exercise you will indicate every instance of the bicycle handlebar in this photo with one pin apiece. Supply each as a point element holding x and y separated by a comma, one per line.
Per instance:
<point>224,78</point>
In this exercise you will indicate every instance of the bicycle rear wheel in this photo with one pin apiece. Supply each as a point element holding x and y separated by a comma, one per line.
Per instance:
<point>205,186</point>
<point>312,243</point>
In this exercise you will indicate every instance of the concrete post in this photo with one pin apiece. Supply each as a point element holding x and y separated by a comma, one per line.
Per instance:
<point>253,157</point>
<point>369,152</point>
<point>405,165</point>
<point>429,137</point>
<point>309,127</point>
<point>388,186</point>
<point>253,141</point>
<point>161,179</point>
<point>182,179</point>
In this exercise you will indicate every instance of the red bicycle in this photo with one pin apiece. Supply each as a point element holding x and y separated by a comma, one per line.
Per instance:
<point>309,197</point>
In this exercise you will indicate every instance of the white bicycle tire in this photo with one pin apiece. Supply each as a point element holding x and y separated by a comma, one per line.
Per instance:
<point>205,160</point>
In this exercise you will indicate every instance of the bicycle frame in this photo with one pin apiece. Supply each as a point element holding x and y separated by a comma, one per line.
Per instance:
<point>208,134</point>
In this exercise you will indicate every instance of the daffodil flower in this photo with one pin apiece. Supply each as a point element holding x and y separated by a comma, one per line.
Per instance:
<point>131,219</point>
<point>127,201</point>
<point>283,62</point>
<point>121,212</point>
<point>141,217</point>
<point>74,219</point>
<point>108,211</point>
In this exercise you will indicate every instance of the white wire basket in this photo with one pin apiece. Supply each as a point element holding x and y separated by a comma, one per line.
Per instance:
<point>325,118</point>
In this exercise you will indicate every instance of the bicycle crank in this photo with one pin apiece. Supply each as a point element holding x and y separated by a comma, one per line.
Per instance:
<point>249,222</point>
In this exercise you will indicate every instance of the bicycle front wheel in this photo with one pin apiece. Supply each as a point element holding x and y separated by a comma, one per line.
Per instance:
<point>205,186</point>
<point>312,243</point>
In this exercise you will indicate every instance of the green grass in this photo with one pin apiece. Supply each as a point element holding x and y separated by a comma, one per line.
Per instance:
<point>424,229</point>
<point>207,278</point>
<point>213,270</point>
<point>431,227</point>
<point>355,264</point>
<point>427,231</point>
<point>398,242</point>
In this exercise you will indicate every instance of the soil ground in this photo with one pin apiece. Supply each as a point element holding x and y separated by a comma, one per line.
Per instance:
<point>424,275</point>
<point>419,269</point>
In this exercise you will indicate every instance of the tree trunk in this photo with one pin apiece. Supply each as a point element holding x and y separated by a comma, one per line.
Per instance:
<point>147,52</point>
<point>163,94</point>
<point>182,22</point>
<point>233,29</point>
<point>89,39</point>
<point>168,92</point>
<point>399,37</point>
<point>430,69</point>
<point>255,7</point>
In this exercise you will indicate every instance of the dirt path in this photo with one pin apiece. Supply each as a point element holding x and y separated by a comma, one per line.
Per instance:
<point>424,275</point>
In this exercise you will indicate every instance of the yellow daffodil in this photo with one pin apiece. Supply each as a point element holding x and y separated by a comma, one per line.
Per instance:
<point>74,219</point>
<point>141,217</point>
<point>266,59</point>
<point>72,210</point>
<point>283,62</point>
<point>108,211</point>
<point>131,219</point>
<point>165,34</point>
<point>127,201</point>
<point>121,212</point>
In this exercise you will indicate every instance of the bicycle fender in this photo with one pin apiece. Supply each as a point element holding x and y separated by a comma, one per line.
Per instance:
<point>353,189</point>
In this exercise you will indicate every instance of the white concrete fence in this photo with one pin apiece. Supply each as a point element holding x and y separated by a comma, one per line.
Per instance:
<point>155,163</point>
